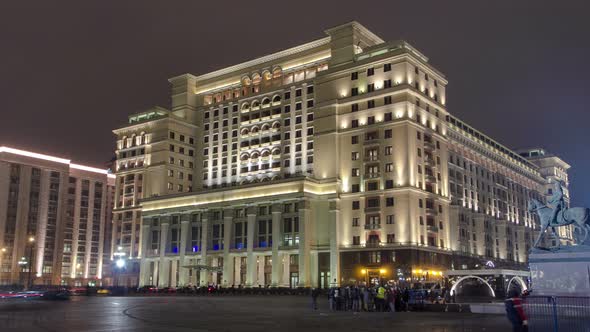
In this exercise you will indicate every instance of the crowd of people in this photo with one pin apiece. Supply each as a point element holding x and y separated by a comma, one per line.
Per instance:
<point>379,298</point>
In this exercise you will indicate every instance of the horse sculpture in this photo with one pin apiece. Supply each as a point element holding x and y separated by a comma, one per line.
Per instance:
<point>576,215</point>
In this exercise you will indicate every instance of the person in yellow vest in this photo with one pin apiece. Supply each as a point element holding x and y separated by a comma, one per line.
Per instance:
<point>380,298</point>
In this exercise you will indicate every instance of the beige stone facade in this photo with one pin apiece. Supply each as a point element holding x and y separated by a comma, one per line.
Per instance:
<point>329,162</point>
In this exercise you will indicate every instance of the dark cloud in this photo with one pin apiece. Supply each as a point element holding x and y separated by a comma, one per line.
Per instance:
<point>72,72</point>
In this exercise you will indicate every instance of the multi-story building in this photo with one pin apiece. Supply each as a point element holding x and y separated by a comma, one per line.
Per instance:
<point>53,216</point>
<point>329,162</point>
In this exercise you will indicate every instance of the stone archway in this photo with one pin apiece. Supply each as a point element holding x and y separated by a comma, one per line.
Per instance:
<point>454,291</point>
<point>516,279</point>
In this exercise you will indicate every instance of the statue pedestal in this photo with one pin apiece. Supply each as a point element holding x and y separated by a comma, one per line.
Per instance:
<point>561,272</point>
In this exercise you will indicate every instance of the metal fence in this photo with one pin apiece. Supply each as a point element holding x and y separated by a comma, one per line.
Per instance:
<point>557,313</point>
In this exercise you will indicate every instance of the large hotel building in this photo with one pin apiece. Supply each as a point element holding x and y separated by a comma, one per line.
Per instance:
<point>330,162</point>
<point>55,220</point>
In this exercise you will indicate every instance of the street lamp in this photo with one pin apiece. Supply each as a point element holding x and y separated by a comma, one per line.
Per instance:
<point>119,263</point>
<point>22,263</point>
<point>31,245</point>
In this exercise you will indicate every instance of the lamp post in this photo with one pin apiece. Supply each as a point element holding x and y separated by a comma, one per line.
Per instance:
<point>119,263</point>
<point>31,245</point>
<point>22,263</point>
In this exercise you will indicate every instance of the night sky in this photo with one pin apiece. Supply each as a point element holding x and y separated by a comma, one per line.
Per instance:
<point>69,74</point>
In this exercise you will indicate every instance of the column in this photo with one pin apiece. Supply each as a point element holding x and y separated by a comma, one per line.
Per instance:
<point>163,269</point>
<point>184,234</point>
<point>228,264</point>
<point>334,232</point>
<point>276,241</point>
<point>286,261</point>
<point>145,264</point>
<point>204,244</point>
<point>304,243</point>
<point>251,267</point>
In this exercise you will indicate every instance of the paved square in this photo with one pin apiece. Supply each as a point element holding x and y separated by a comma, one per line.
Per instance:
<point>224,313</point>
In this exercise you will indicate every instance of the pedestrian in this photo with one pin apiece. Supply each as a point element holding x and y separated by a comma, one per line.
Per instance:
<point>356,299</point>
<point>515,312</point>
<point>315,292</point>
<point>406,299</point>
<point>365,298</point>
<point>337,298</point>
<point>380,298</point>
<point>391,300</point>
<point>331,298</point>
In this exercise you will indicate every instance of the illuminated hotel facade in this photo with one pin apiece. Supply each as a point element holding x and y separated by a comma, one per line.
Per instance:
<point>331,162</point>
<point>54,215</point>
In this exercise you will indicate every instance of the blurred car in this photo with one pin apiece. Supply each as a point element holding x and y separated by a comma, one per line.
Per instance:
<point>78,291</point>
<point>168,290</point>
<point>9,295</point>
<point>31,294</point>
<point>103,291</point>
<point>147,289</point>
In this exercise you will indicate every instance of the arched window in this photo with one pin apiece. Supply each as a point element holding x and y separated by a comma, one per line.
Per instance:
<point>244,131</point>
<point>266,102</point>
<point>276,125</point>
<point>276,100</point>
<point>244,156</point>
<point>255,130</point>
<point>265,153</point>
<point>266,75</point>
<point>255,105</point>
<point>254,155</point>
<point>265,127</point>
<point>245,107</point>
<point>246,81</point>
<point>277,72</point>
<point>256,78</point>
<point>276,151</point>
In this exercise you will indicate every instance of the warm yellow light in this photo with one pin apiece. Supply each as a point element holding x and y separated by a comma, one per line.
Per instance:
<point>382,271</point>
<point>419,270</point>
<point>3,249</point>
<point>363,271</point>
<point>31,239</point>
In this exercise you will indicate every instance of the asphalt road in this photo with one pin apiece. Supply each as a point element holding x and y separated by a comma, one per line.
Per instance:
<point>224,313</point>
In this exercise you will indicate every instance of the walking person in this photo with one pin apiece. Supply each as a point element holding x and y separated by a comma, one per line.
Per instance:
<point>315,292</point>
<point>331,298</point>
<point>380,298</point>
<point>365,298</point>
<point>515,312</point>
<point>355,294</point>
<point>391,300</point>
<point>406,299</point>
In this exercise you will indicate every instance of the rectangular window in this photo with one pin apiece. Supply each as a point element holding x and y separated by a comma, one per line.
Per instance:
<point>390,219</point>
<point>387,67</point>
<point>370,71</point>
<point>354,76</point>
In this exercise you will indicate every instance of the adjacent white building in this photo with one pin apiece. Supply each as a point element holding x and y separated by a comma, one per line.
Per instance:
<point>54,216</point>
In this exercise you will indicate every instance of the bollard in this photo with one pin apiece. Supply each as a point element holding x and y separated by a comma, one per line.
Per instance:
<point>555,325</point>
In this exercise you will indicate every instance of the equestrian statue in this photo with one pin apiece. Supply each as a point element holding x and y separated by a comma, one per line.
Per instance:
<point>557,214</point>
